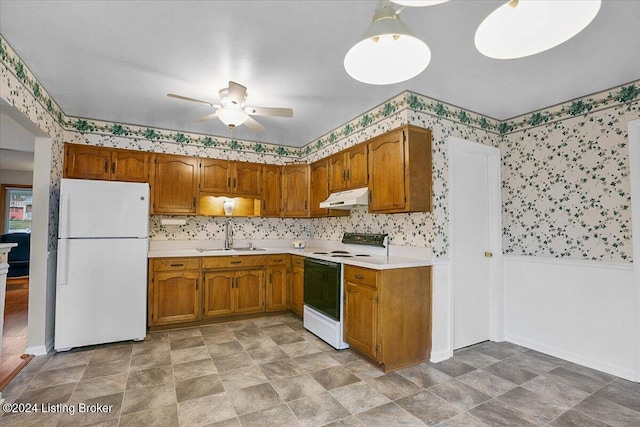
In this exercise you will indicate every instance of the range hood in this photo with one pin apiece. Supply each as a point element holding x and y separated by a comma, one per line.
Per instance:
<point>347,199</point>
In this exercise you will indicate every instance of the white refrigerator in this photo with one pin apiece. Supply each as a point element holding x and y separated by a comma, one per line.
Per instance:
<point>101,286</point>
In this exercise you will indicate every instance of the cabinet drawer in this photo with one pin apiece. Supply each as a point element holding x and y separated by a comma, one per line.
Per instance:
<point>173,264</point>
<point>278,260</point>
<point>233,261</point>
<point>297,261</point>
<point>363,276</point>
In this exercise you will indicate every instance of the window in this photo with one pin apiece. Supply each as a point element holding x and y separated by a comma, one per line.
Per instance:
<point>18,206</point>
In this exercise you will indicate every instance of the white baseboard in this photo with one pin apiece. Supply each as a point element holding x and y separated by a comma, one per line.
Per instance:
<point>619,371</point>
<point>37,350</point>
<point>439,356</point>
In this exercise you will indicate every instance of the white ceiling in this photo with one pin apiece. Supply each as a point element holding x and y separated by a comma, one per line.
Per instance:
<point>117,60</point>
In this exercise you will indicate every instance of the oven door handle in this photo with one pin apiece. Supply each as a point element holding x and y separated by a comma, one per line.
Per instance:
<point>327,263</point>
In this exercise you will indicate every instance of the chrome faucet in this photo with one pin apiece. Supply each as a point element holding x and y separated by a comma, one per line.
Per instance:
<point>228,235</point>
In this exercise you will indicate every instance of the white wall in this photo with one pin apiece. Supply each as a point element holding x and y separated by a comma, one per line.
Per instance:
<point>581,311</point>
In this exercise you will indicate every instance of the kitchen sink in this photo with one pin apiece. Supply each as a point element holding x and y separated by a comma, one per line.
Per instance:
<point>248,249</point>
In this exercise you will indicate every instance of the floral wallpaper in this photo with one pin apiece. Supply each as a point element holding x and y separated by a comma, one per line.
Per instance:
<point>564,168</point>
<point>212,228</point>
<point>565,183</point>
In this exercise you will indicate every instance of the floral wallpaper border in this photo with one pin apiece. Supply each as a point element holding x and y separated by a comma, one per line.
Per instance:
<point>619,95</point>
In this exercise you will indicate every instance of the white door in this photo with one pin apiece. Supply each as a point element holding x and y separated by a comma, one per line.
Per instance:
<point>475,239</point>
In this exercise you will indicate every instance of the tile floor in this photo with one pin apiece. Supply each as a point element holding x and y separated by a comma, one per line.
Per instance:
<point>271,372</point>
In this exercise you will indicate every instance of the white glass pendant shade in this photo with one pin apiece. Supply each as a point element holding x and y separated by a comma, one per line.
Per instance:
<point>231,116</point>
<point>418,3</point>
<point>526,27</point>
<point>388,52</point>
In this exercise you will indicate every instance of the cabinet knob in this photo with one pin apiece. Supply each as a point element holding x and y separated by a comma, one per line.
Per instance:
<point>359,276</point>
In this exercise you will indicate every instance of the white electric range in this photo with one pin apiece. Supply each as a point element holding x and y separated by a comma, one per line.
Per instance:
<point>323,285</point>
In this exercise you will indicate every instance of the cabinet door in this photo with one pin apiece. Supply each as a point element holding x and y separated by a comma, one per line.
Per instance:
<point>356,165</point>
<point>276,288</point>
<point>361,318</point>
<point>132,166</point>
<point>297,290</point>
<point>175,184</point>
<point>319,188</point>
<point>337,173</point>
<point>87,162</point>
<point>175,296</point>
<point>215,176</point>
<point>271,191</point>
<point>245,179</point>
<point>295,190</point>
<point>218,293</point>
<point>387,173</point>
<point>249,291</point>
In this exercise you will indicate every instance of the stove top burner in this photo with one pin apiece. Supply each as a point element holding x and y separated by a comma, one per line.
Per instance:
<point>339,252</point>
<point>363,255</point>
<point>319,253</point>
<point>345,255</point>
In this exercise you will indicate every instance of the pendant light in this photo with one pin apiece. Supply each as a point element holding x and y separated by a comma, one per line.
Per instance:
<point>521,28</point>
<point>388,52</point>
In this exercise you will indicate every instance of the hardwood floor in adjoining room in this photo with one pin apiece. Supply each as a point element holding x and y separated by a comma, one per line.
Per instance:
<point>244,373</point>
<point>14,338</point>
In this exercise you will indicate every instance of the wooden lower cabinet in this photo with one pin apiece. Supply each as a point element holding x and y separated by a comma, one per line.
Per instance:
<point>276,288</point>
<point>388,314</point>
<point>174,294</point>
<point>297,285</point>
<point>233,292</point>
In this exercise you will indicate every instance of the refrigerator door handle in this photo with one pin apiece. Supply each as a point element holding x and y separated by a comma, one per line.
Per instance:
<point>65,212</point>
<point>63,261</point>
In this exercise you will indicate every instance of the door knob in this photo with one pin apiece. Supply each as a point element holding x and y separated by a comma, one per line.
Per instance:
<point>488,254</point>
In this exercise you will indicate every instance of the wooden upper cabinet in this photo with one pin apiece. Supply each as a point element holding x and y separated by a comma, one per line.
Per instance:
<point>87,162</point>
<point>174,184</point>
<point>348,169</point>
<point>215,176</point>
<point>319,188</point>
<point>246,179</point>
<point>295,190</point>
<point>400,171</point>
<point>271,191</point>
<point>102,163</point>
<point>128,165</point>
<point>224,177</point>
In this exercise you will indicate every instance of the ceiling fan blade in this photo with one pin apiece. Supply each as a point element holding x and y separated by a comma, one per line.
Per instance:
<point>269,111</point>
<point>205,118</point>
<point>236,93</point>
<point>186,98</point>
<point>253,125</point>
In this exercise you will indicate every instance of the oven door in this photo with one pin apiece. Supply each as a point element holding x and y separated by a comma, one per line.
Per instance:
<point>322,287</point>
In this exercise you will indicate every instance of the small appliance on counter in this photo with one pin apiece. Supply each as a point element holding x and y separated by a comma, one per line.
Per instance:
<point>298,244</point>
<point>323,285</point>
<point>101,286</point>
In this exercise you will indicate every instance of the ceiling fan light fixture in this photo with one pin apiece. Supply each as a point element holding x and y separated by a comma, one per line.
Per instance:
<point>232,117</point>
<point>521,28</point>
<point>388,52</point>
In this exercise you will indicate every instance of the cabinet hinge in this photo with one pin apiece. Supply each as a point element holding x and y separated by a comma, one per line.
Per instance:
<point>377,348</point>
<point>404,137</point>
<point>202,310</point>
<point>151,316</point>
<point>405,198</point>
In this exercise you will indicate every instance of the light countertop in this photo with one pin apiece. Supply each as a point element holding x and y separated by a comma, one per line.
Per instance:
<point>180,249</point>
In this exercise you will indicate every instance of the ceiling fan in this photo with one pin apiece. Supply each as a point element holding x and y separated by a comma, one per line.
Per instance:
<point>232,111</point>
